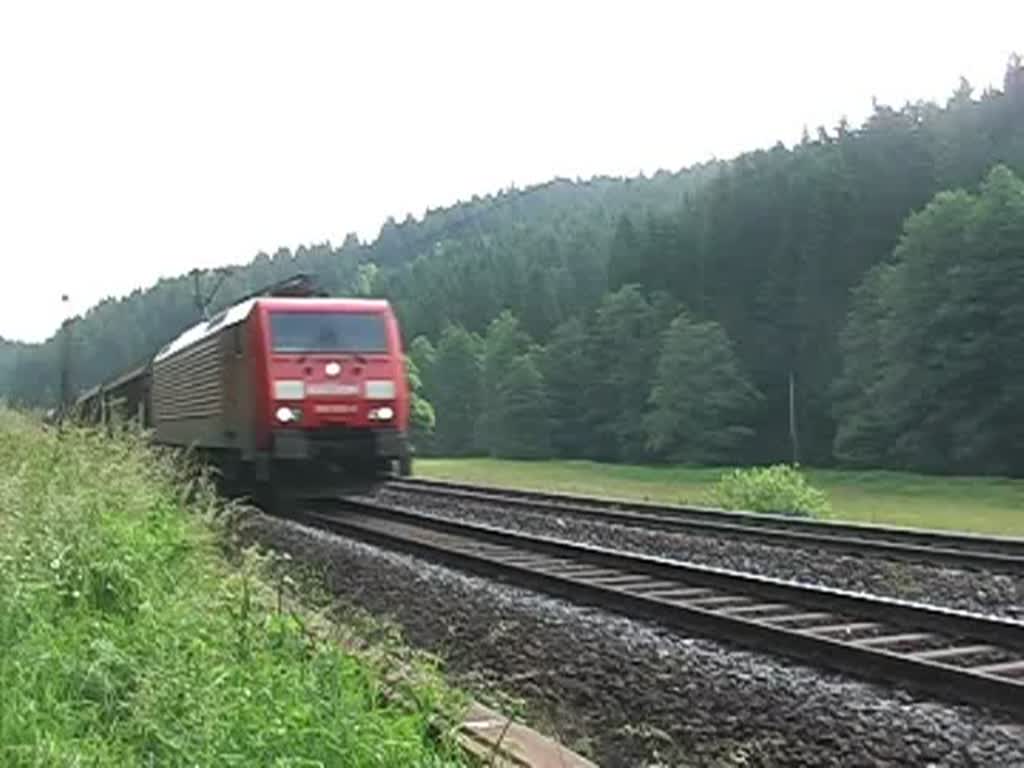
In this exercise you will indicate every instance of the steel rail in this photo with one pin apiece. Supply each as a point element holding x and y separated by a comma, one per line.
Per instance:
<point>951,654</point>
<point>961,550</point>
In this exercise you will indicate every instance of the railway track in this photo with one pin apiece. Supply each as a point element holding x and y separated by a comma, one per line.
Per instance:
<point>949,654</point>
<point>958,550</point>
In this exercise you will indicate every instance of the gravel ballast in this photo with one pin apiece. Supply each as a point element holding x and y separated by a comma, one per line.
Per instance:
<point>631,694</point>
<point>969,590</point>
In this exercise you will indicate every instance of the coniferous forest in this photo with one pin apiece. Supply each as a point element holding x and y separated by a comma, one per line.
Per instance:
<point>856,299</point>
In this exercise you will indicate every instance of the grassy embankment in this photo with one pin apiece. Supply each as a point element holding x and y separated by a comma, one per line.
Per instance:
<point>984,505</point>
<point>127,639</point>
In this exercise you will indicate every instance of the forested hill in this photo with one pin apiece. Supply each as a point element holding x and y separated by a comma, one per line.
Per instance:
<point>460,243</point>
<point>672,317</point>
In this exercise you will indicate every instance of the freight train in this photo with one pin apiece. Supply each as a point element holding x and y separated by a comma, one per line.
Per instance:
<point>280,393</point>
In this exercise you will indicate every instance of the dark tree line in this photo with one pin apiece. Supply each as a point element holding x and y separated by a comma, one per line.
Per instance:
<point>9,352</point>
<point>933,372</point>
<point>666,317</point>
<point>641,380</point>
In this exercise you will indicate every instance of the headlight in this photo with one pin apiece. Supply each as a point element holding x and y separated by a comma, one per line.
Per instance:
<point>386,413</point>
<point>287,415</point>
<point>380,389</point>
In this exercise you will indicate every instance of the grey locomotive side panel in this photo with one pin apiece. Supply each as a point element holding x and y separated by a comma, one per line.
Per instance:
<point>188,396</point>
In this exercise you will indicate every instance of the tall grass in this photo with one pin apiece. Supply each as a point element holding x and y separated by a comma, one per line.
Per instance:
<point>126,639</point>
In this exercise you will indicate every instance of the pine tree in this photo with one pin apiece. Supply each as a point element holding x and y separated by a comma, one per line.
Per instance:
<point>456,383</point>
<point>566,368</point>
<point>864,434</point>
<point>504,341</point>
<point>521,426</point>
<point>624,255</point>
<point>700,397</point>
<point>622,344</point>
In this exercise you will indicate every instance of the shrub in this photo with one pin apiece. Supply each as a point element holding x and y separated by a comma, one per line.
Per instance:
<point>779,489</point>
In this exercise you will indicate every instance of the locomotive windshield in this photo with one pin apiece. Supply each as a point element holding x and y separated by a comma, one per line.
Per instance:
<point>328,332</point>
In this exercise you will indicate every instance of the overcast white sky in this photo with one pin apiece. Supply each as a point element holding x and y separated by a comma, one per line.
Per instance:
<point>138,140</point>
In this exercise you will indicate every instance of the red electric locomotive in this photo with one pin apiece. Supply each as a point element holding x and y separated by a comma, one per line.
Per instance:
<point>279,392</point>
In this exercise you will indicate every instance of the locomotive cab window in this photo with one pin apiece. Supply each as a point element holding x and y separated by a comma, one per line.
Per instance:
<point>328,332</point>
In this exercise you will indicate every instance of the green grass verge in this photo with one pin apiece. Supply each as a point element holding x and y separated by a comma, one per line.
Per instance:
<point>127,639</point>
<point>984,505</point>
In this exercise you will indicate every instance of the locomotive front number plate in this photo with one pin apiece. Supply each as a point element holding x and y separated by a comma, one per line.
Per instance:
<point>331,388</point>
<point>339,408</point>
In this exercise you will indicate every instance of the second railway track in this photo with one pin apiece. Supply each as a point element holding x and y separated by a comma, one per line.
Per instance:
<point>959,550</point>
<point>949,654</point>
